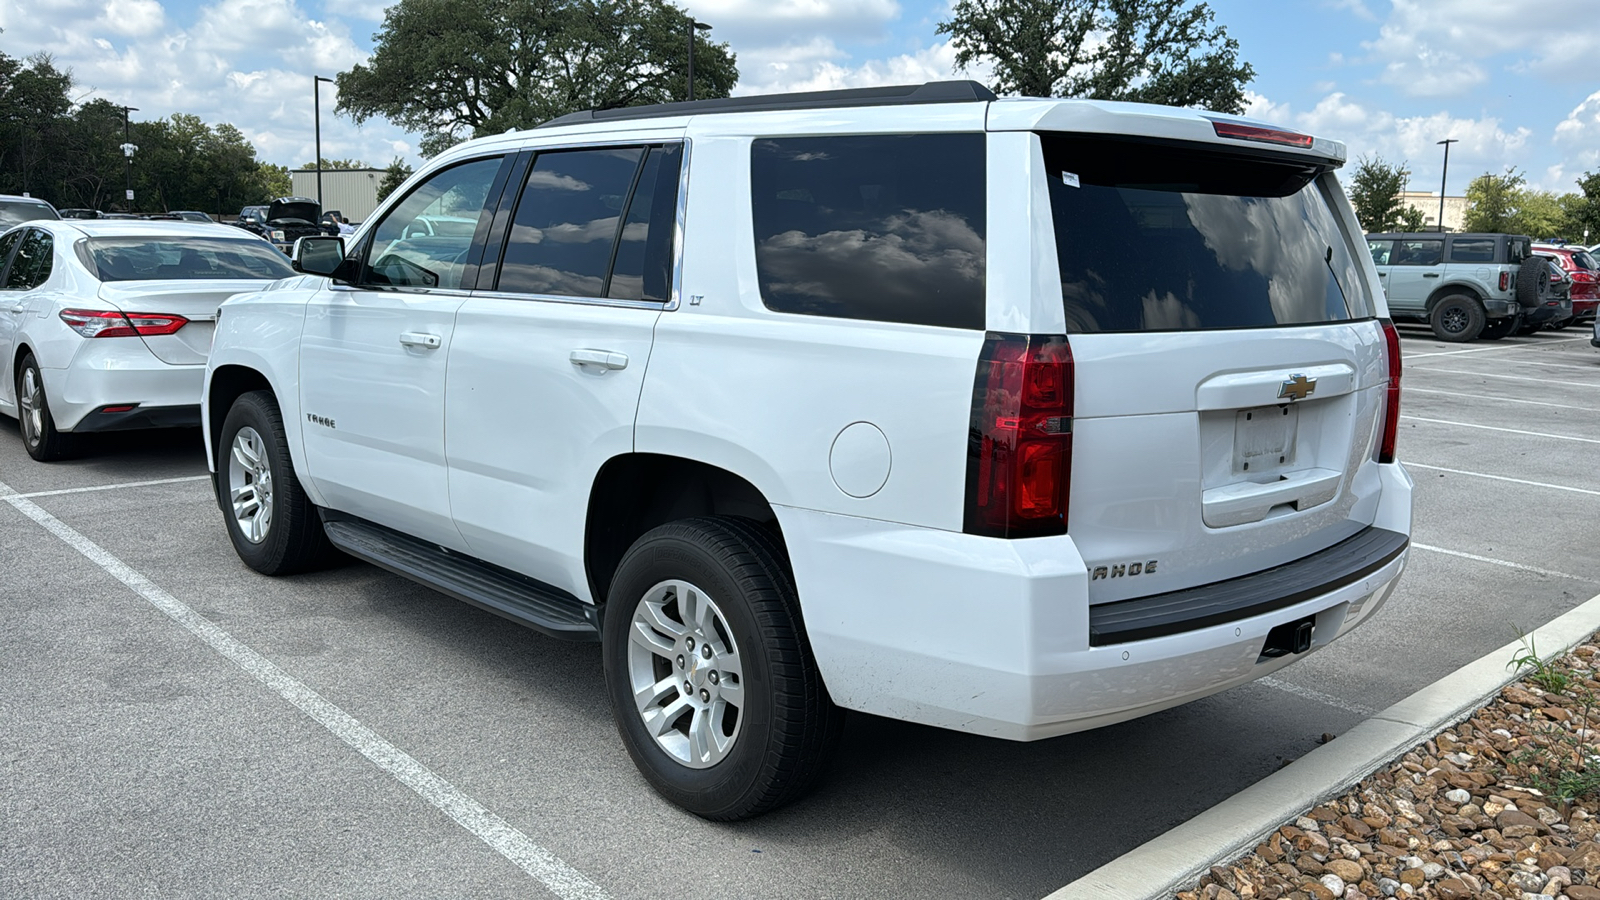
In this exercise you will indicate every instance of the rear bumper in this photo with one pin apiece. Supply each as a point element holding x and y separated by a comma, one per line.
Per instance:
<point>122,372</point>
<point>997,637</point>
<point>1550,312</point>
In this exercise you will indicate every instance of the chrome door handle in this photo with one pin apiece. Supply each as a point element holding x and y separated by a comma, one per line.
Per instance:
<point>604,359</point>
<point>421,340</point>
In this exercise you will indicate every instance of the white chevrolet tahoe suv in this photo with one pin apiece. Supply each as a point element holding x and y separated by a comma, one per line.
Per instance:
<point>1018,417</point>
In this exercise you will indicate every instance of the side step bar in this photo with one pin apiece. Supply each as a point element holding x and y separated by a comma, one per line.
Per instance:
<point>521,599</point>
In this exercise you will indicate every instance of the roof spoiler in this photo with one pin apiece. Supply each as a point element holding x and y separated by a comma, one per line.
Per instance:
<point>896,95</point>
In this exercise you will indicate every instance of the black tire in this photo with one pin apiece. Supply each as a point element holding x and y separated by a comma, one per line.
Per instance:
<point>40,437</point>
<point>1560,324</point>
<point>1533,287</point>
<point>1499,328</point>
<point>786,726</point>
<point>1457,318</point>
<point>292,539</point>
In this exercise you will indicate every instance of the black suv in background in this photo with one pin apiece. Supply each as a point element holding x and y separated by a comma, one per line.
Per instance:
<point>253,219</point>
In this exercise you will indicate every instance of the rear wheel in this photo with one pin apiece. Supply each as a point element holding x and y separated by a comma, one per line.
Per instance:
<point>273,525</point>
<point>44,442</point>
<point>1499,328</point>
<point>1457,318</point>
<point>712,682</point>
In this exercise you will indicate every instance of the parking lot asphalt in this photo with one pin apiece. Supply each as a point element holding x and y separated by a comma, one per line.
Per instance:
<point>150,751</point>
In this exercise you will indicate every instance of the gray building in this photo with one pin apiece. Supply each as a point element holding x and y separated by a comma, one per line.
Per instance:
<point>353,192</point>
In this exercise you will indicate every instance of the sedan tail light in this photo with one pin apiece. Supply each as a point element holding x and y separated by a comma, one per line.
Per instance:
<point>99,323</point>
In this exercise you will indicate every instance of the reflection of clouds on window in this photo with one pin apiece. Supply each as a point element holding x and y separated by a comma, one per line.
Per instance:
<point>546,280</point>
<point>1086,302</point>
<point>1168,313</point>
<point>555,181</point>
<point>635,231</point>
<point>1280,239</point>
<point>570,232</point>
<point>899,260</point>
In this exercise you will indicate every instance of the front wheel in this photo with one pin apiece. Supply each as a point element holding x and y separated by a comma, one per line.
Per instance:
<point>43,441</point>
<point>273,525</point>
<point>1457,318</point>
<point>712,683</point>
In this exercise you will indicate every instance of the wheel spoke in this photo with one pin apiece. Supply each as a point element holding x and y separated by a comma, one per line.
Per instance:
<point>652,616</point>
<point>661,720</point>
<point>733,693</point>
<point>697,613</point>
<point>729,663</point>
<point>646,637</point>
<point>245,501</point>
<point>242,453</point>
<point>651,695</point>
<point>700,735</point>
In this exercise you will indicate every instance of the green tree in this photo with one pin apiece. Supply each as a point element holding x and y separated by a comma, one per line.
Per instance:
<point>1583,210</point>
<point>336,164</point>
<point>1412,219</point>
<point>35,98</point>
<point>1149,51</point>
<point>1492,201</point>
<point>275,182</point>
<point>1375,189</point>
<point>458,68</point>
<point>393,177</point>
<point>1539,215</point>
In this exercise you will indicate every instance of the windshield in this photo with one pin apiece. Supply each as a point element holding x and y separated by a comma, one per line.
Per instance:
<point>1158,237</point>
<point>185,259</point>
<point>15,212</point>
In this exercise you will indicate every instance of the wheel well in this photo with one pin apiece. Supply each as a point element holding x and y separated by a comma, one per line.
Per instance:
<point>229,383</point>
<point>635,493</point>
<point>16,360</point>
<point>1451,290</point>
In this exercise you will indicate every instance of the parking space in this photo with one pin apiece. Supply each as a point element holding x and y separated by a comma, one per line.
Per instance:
<point>141,758</point>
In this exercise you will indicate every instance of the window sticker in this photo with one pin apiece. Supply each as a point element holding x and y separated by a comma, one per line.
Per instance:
<point>1070,179</point>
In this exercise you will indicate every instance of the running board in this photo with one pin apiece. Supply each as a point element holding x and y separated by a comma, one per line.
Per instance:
<point>505,593</point>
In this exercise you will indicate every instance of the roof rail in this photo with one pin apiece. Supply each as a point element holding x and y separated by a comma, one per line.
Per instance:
<point>897,95</point>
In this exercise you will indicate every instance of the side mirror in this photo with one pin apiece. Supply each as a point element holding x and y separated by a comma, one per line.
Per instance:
<point>319,255</point>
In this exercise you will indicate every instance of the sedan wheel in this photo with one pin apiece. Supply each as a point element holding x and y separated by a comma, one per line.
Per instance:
<point>39,435</point>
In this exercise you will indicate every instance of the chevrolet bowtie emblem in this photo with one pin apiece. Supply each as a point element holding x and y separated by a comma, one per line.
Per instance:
<point>1298,387</point>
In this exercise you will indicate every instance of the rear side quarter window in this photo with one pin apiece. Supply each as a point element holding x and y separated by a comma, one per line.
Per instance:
<point>888,228</point>
<point>1472,250</point>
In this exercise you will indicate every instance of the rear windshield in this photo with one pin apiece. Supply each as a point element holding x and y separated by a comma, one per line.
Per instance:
<point>15,212</point>
<point>1584,260</point>
<point>185,258</point>
<point>1156,237</point>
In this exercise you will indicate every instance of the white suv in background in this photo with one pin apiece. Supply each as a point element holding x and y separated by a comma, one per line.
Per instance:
<point>1018,417</point>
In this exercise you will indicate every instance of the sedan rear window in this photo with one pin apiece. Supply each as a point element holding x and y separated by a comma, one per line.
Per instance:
<point>15,212</point>
<point>1168,237</point>
<point>182,259</point>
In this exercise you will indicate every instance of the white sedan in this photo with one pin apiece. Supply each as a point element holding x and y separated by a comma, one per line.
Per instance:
<point>106,325</point>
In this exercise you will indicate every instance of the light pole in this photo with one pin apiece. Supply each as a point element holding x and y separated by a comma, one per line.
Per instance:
<point>127,152</point>
<point>693,27</point>
<point>1446,174</point>
<point>316,107</point>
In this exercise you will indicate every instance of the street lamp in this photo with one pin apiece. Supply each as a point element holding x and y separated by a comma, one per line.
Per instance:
<point>316,107</point>
<point>1446,174</point>
<point>693,27</point>
<point>127,152</point>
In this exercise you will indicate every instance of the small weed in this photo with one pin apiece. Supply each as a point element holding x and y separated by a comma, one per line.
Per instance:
<point>1544,673</point>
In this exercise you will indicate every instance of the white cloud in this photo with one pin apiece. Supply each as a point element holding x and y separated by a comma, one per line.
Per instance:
<point>1484,144</point>
<point>1440,48</point>
<point>817,66</point>
<point>1580,132</point>
<point>763,23</point>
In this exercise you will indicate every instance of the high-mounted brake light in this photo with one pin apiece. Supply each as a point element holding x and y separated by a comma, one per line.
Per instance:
<point>101,323</point>
<point>1019,455</point>
<point>1240,131</point>
<point>1391,397</point>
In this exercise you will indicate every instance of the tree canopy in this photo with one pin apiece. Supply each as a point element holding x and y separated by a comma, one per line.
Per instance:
<point>393,177</point>
<point>454,69</point>
<point>1149,51</point>
<point>72,155</point>
<point>1503,203</point>
<point>1375,189</point>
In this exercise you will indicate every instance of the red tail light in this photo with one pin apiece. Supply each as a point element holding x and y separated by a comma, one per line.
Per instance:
<point>1391,400</point>
<point>1019,456</point>
<point>1244,132</point>
<point>1583,276</point>
<point>101,323</point>
<point>1505,279</point>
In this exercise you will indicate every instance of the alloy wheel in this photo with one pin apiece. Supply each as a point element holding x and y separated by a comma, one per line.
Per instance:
<point>685,674</point>
<point>250,485</point>
<point>31,400</point>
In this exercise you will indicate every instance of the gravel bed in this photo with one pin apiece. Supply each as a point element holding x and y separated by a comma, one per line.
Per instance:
<point>1502,805</point>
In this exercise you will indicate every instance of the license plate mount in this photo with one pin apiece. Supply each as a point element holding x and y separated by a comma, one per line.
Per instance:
<point>1264,438</point>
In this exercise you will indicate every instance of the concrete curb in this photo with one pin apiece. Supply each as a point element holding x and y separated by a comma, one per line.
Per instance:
<point>1235,826</point>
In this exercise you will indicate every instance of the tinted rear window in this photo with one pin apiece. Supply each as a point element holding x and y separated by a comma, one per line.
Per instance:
<point>883,227</point>
<point>1584,260</point>
<point>1154,237</point>
<point>1472,250</point>
<point>15,212</point>
<point>184,259</point>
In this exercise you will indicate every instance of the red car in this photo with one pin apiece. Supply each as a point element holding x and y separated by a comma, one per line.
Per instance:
<point>1584,269</point>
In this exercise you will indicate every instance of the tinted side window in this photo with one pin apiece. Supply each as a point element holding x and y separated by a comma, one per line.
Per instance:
<point>33,262</point>
<point>1472,250</point>
<point>8,242</point>
<point>1418,253</point>
<point>564,232</point>
<point>1381,251</point>
<point>643,268</point>
<point>884,227</point>
<point>424,241</point>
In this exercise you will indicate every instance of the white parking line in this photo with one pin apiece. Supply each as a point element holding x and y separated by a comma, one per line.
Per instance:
<point>561,879</point>
<point>1416,390</point>
<point>1520,346</point>
<point>1318,696</point>
<point>1544,381</point>
<point>1557,437</point>
<point>113,487</point>
<point>1502,562</point>
<point>1595,367</point>
<point>1554,487</point>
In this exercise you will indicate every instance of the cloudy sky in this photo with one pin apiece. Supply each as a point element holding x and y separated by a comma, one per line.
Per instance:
<point>1388,77</point>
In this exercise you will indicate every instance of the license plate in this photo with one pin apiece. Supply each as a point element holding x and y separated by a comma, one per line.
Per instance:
<point>1264,438</point>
